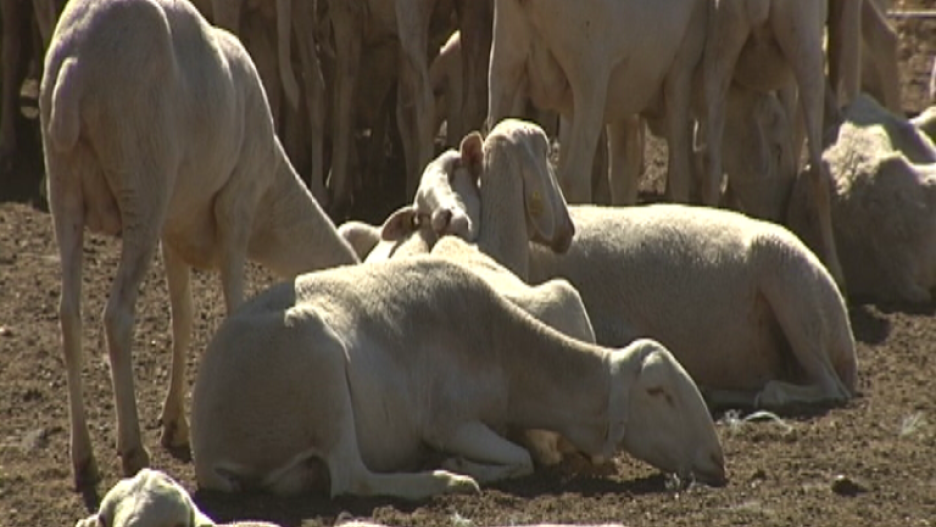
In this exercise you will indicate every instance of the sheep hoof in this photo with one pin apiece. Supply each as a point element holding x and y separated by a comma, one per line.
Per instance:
<point>86,474</point>
<point>458,484</point>
<point>175,433</point>
<point>132,461</point>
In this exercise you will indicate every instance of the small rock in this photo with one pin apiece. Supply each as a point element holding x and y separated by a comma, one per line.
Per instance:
<point>35,439</point>
<point>5,331</point>
<point>846,486</point>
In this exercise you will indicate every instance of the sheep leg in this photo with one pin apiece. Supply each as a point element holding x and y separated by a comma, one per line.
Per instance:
<point>483,454</point>
<point>509,50</point>
<point>676,94</point>
<point>415,101</point>
<point>175,433</point>
<point>474,22</point>
<point>883,42</point>
<point>139,244</point>
<point>626,144</point>
<point>589,93</point>
<point>803,50</point>
<point>314,84</point>
<point>348,29</point>
<point>844,29</point>
<point>67,206</point>
<point>727,34</point>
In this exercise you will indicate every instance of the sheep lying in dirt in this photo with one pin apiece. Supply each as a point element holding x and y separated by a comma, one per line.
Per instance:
<point>152,499</point>
<point>884,205</point>
<point>177,148</point>
<point>374,363</point>
<point>790,342</point>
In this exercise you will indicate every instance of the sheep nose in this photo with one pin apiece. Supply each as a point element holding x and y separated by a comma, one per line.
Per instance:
<point>441,220</point>
<point>563,239</point>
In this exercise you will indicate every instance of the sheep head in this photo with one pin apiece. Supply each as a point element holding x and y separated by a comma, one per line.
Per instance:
<point>658,415</point>
<point>448,193</point>
<point>149,499</point>
<point>526,147</point>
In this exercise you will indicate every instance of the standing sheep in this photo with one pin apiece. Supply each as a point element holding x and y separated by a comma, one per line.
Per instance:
<point>883,207</point>
<point>178,149</point>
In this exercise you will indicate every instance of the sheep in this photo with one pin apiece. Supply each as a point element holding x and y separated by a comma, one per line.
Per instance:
<point>597,63</point>
<point>152,498</point>
<point>374,363</point>
<point>629,264</point>
<point>759,43</point>
<point>883,207</point>
<point>181,151</point>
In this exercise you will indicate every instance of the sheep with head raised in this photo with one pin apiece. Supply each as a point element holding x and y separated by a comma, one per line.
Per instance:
<point>883,207</point>
<point>363,367</point>
<point>180,151</point>
<point>790,340</point>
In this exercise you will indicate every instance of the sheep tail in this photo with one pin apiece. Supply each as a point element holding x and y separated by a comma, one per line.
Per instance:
<point>64,122</point>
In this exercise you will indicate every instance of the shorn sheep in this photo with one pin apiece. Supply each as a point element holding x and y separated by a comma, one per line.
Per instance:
<point>363,367</point>
<point>178,148</point>
<point>645,272</point>
<point>764,44</point>
<point>883,207</point>
<point>153,499</point>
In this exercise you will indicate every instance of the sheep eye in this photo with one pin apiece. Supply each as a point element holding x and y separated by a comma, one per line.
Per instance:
<point>657,391</point>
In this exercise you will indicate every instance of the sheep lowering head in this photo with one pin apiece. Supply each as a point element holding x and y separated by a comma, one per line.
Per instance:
<point>178,149</point>
<point>444,384</point>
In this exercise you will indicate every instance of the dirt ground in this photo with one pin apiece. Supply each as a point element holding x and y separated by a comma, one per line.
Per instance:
<point>869,463</point>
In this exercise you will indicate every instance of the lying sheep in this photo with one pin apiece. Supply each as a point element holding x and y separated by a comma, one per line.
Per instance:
<point>374,363</point>
<point>884,205</point>
<point>152,499</point>
<point>629,264</point>
<point>180,151</point>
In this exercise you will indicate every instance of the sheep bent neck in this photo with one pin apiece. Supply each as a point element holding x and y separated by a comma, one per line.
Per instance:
<point>541,379</point>
<point>289,234</point>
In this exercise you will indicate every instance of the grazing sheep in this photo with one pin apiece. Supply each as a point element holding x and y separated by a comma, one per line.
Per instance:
<point>152,499</point>
<point>884,205</point>
<point>374,363</point>
<point>790,342</point>
<point>601,62</point>
<point>181,151</point>
<point>763,44</point>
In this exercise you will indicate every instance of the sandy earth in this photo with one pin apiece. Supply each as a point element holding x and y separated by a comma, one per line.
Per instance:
<point>882,444</point>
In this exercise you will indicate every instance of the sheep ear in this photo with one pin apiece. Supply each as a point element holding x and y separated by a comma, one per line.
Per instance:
<point>472,154</point>
<point>399,224</point>
<point>541,197</point>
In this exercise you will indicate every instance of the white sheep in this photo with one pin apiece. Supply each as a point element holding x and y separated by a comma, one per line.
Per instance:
<point>764,44</point>
<point>884,205</point>
<point>152,498</point>
<point>644,272</point>
<point>180,151</point>
<point>363,367</point>
<point>601,62</point>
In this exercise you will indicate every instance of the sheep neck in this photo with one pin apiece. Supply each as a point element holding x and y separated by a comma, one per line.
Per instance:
<point>292,233</point>
<point>503,231</point>
<point>554,382</point>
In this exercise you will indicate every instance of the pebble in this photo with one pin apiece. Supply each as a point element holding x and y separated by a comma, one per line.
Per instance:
<point>846,486</point>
